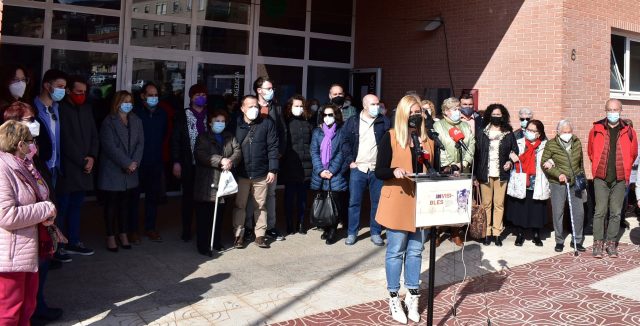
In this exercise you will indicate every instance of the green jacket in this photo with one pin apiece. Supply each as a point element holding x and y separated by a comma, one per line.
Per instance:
<point>555,151</point>
<point>449,154</point>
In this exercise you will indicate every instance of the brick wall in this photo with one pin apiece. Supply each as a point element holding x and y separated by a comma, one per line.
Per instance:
<point>515,52</point>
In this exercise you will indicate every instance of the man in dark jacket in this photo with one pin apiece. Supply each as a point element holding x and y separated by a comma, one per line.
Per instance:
<point>363,132</point>
<point>469,114</point>
<point>79,144</point>
<point>154,124</point>
<point>263,87</point>
<point>259,144</point>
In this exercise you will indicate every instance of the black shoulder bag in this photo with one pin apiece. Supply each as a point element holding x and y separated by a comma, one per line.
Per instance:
<point>324,211</point>
<point>580,180</point>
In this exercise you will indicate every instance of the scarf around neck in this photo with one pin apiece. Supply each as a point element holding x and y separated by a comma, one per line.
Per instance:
<point>325,146</point>
<point>528,158</point>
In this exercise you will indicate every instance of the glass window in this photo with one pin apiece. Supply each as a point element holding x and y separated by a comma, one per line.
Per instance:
<point>107,4</point>
<point>634,66</point>
<point>329,50</point>
<point>20,21</point>
<point>230,11</point>
<point>225,84</point>
<point>283,14</point>
<point>29,56</point>
<point>213,39</point>
<point>618,48</point>
<point>283,46</point>
<point>175,8</point>
<point>168,75</point>
<point>320,78</point>
<point>159,38</point>
<point>98,68</point>
<point>287,80</point>
<point>332,17</point>
<point>73,26</point>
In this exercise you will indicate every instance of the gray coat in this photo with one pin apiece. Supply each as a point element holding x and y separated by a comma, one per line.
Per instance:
<point>120,146</point>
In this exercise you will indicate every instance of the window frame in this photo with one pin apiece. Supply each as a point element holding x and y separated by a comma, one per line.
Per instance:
<point>625,93</point>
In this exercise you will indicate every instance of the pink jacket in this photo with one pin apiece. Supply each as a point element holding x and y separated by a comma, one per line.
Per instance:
<point>19,216</point>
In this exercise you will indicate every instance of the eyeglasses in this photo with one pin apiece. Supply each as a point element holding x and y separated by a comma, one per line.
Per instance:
<point>53,115</point>
<point>534,131</point>
<point>328,114</point>
<point>32,140</point>
<point>17,80</point>
<point>525,119</point>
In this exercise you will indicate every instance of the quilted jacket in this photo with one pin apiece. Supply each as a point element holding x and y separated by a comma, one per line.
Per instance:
<point>19,215</point>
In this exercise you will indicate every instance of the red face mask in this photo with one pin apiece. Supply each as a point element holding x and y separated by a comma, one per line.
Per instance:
<point>77,99</point>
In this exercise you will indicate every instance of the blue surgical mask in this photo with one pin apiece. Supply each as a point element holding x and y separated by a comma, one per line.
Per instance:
<point>152,101</point>
<point>531,136</point>
<point>57,94</point>
<point>374,110</point>
<point>217,127</point>
<point>613,117</point>
<point>524,123</point>
<point>455,116</point>
<point>268,95</point>
<point>126,107</point>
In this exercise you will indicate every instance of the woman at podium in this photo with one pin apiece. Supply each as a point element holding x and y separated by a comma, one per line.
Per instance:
<point>403,150</point>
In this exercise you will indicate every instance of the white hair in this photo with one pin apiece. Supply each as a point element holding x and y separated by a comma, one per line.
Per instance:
<point>563,123</point>
<point>526,112</point>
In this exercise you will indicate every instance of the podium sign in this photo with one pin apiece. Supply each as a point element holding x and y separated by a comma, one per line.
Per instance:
<point>443,201</point>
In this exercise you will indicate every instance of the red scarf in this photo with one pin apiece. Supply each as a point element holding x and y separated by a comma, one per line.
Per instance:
<point>528,159</point>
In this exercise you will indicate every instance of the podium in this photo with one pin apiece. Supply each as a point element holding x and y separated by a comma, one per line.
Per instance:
<point>441,200</point>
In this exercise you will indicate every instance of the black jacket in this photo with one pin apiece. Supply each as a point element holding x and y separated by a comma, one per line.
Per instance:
<point>351,132</point>
<point>508,144</point>
<point>296,163</point>
<point>259,145</point>
<point>78,139</point>
<point>181,145</point>
<point>275,113</point>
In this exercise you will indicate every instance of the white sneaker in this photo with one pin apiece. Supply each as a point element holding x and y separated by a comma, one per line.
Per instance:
<point>411,301</point>
<point>395,308</point>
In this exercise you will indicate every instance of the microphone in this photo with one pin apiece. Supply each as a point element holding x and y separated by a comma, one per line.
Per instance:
<point>422,156</point>
<point>435,136</point>
<point>457,136</point>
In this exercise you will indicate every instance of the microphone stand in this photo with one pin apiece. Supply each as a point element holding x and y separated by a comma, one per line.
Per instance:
<point>432,238</point>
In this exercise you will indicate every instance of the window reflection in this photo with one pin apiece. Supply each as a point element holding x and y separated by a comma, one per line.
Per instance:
<point>168,75</point>
<point>231,11</point>
<point>212,39</point>
<point>160,34</point>
<point>287,80</point>
<point>172,8</point>
<point>98,68</point>
<point>107,4</point>
<point>73,26</point>
<point>283,14</point>
<point>225,84</point>
<point>332,17</point>
<point>20,21</point>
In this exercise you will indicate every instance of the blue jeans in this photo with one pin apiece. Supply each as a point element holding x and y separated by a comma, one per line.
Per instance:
<point>403,248</point>
<point>358,182</point>
<point>69,206</point>
<point>295,196</point>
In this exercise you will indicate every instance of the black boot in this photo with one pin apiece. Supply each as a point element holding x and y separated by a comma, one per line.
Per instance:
<point>498,241</point>
<point>536,238</point>
<point>519,239</point>
<point>487,240</point>
<point>324,234</point>
<point>331,236</point>
<point>301,228</point>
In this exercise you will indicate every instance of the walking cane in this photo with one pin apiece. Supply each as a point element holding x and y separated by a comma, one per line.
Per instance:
<point>573,228</point>
<point>213,226</point>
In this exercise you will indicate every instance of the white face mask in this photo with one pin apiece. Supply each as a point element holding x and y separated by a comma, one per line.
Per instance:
<point>374,110</point>
<point>297,111</point>
<point>329,121</point>
<point>566,137</point>
<point>268,95</point>
<point>17,89</point>
<point>252,113</point>
<point>34,128</point>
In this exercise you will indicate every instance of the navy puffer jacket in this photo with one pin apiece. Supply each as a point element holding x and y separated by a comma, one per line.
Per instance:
<point>337,165</point>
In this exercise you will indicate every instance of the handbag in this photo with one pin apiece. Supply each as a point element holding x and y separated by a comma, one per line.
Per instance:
<point>478,225</point>
<point>580,180</point>
<point>324,211</point>
<point>517,187</point>
<point>227,185</point>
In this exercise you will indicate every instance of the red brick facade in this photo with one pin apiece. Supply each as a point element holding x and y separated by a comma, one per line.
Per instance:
<point>515,52</point>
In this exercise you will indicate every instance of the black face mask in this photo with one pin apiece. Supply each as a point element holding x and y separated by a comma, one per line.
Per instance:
<point>496,121</point>
<point>415,121</point>
<point>338,100</point>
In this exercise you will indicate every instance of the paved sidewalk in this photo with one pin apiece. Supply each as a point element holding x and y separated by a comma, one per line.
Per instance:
<point>303,281</point>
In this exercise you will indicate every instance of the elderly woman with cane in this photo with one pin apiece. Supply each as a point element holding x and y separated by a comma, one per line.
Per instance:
<point>396,161</point>
<point>215,151</point>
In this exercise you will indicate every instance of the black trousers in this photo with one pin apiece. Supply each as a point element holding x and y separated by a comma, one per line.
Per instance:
<point>116,207</point>
<point>204,222</point>
<point>187,201</point>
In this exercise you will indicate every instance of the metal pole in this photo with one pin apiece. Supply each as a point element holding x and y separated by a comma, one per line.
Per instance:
<point>432,274</point>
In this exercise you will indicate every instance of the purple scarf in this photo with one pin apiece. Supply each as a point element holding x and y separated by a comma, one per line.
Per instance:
<point>325,146</point>
<point>200,119</point>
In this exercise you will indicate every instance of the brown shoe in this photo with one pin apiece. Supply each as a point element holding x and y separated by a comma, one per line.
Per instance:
<point>153,236</point>
<point>597,249</point>
<point>612,251</point>
<point>134,238</point>
<point>261,242</point>
<point>238,243</point>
